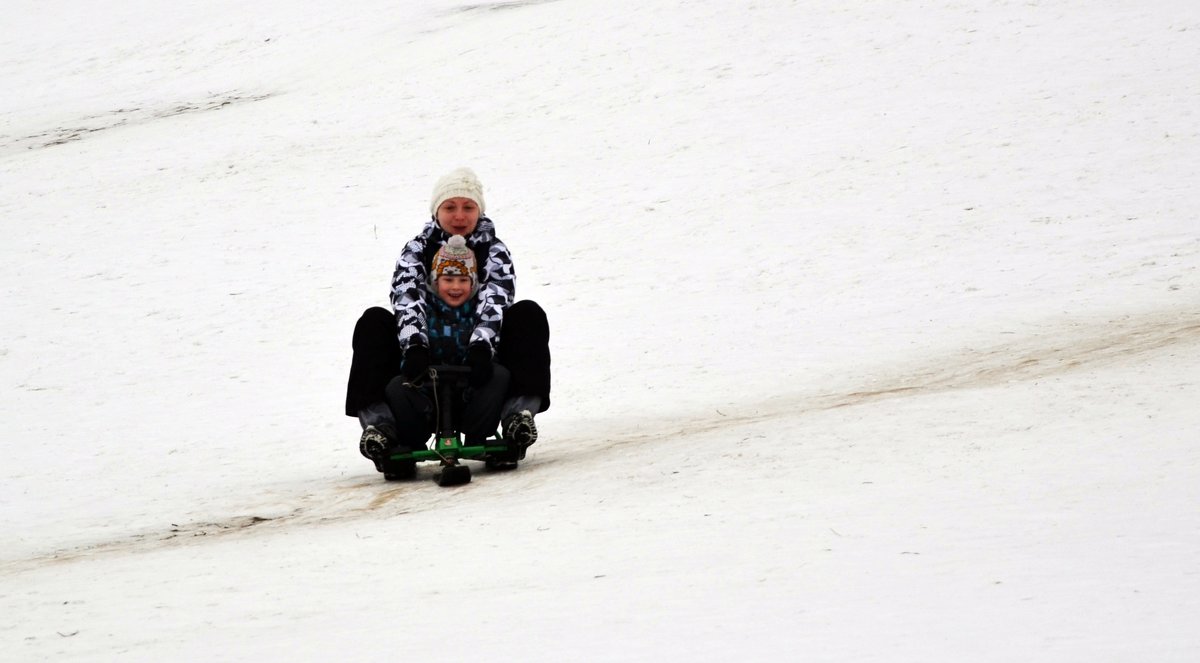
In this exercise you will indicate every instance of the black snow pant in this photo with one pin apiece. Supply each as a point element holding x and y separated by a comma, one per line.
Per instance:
<point>376,359</point>
<point>474,411</point>
<point>524,349</point>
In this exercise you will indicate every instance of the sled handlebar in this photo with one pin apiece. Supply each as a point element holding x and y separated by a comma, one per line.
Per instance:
<point>449,370</point>
<point>447,379</point>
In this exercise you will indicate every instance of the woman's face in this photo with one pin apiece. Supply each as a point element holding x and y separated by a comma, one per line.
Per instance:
<point>458,216</point>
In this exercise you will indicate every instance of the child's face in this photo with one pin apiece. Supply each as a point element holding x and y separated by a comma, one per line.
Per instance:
<point>454,289</point>
<point>458,216</point>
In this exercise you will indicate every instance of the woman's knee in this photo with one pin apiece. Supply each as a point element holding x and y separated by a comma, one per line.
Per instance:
<point>527,309</point>
<point>375,329</point>
<point>526,321</point>
<point>376,316</point>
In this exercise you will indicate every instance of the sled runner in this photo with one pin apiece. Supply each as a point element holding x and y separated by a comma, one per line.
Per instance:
<point>447,446</point>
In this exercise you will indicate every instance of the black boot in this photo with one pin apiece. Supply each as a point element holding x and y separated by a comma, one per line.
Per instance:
<point>519,431</point>
<point>377,440</point>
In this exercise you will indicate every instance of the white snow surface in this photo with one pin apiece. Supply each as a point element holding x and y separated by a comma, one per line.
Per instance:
<point>875,329</point>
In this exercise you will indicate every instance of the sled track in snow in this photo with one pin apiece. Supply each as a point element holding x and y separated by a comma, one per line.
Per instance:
<point>123,118</point>
<point>1085,346</point>
<point>1075,346</point>
<point>360,499</point>
<point>1071,347</point>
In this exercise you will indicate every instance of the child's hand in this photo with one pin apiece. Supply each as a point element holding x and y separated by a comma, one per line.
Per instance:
<point>479,358</point>
<point>416,362</point>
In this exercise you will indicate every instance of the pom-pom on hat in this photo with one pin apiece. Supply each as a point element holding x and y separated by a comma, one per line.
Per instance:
<point>455,258</point>
<point>458,183</point>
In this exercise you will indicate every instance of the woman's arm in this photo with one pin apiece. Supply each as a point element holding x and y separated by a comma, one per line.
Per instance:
<point>408,291</point>
<point>497,291</point>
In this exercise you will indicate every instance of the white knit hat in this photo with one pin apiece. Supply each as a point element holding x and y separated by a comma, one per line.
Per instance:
<point>457,259</point>
<point>458,183</point>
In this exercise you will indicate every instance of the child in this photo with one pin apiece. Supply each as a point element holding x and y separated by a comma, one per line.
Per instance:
<point>451,319</point>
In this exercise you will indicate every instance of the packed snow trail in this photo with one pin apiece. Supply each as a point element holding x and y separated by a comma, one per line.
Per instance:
<point>1070,347</point>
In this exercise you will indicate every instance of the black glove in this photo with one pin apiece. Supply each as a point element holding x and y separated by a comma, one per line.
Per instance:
<point>416,362</point>
<point>479,358</point>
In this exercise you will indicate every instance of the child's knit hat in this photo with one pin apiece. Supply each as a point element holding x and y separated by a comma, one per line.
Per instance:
<point>455,258</point>
<point>458,183</point>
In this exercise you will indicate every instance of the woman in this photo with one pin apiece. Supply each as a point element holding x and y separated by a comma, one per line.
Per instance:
<point>515,335</point>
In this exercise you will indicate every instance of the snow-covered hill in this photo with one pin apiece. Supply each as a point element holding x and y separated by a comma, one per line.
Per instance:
<point>876,329</point>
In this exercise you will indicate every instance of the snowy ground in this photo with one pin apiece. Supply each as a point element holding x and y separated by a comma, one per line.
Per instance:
<point>876,329</point>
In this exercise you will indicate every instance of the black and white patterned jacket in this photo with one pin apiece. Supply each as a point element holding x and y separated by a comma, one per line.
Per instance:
<point>410,282</point>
